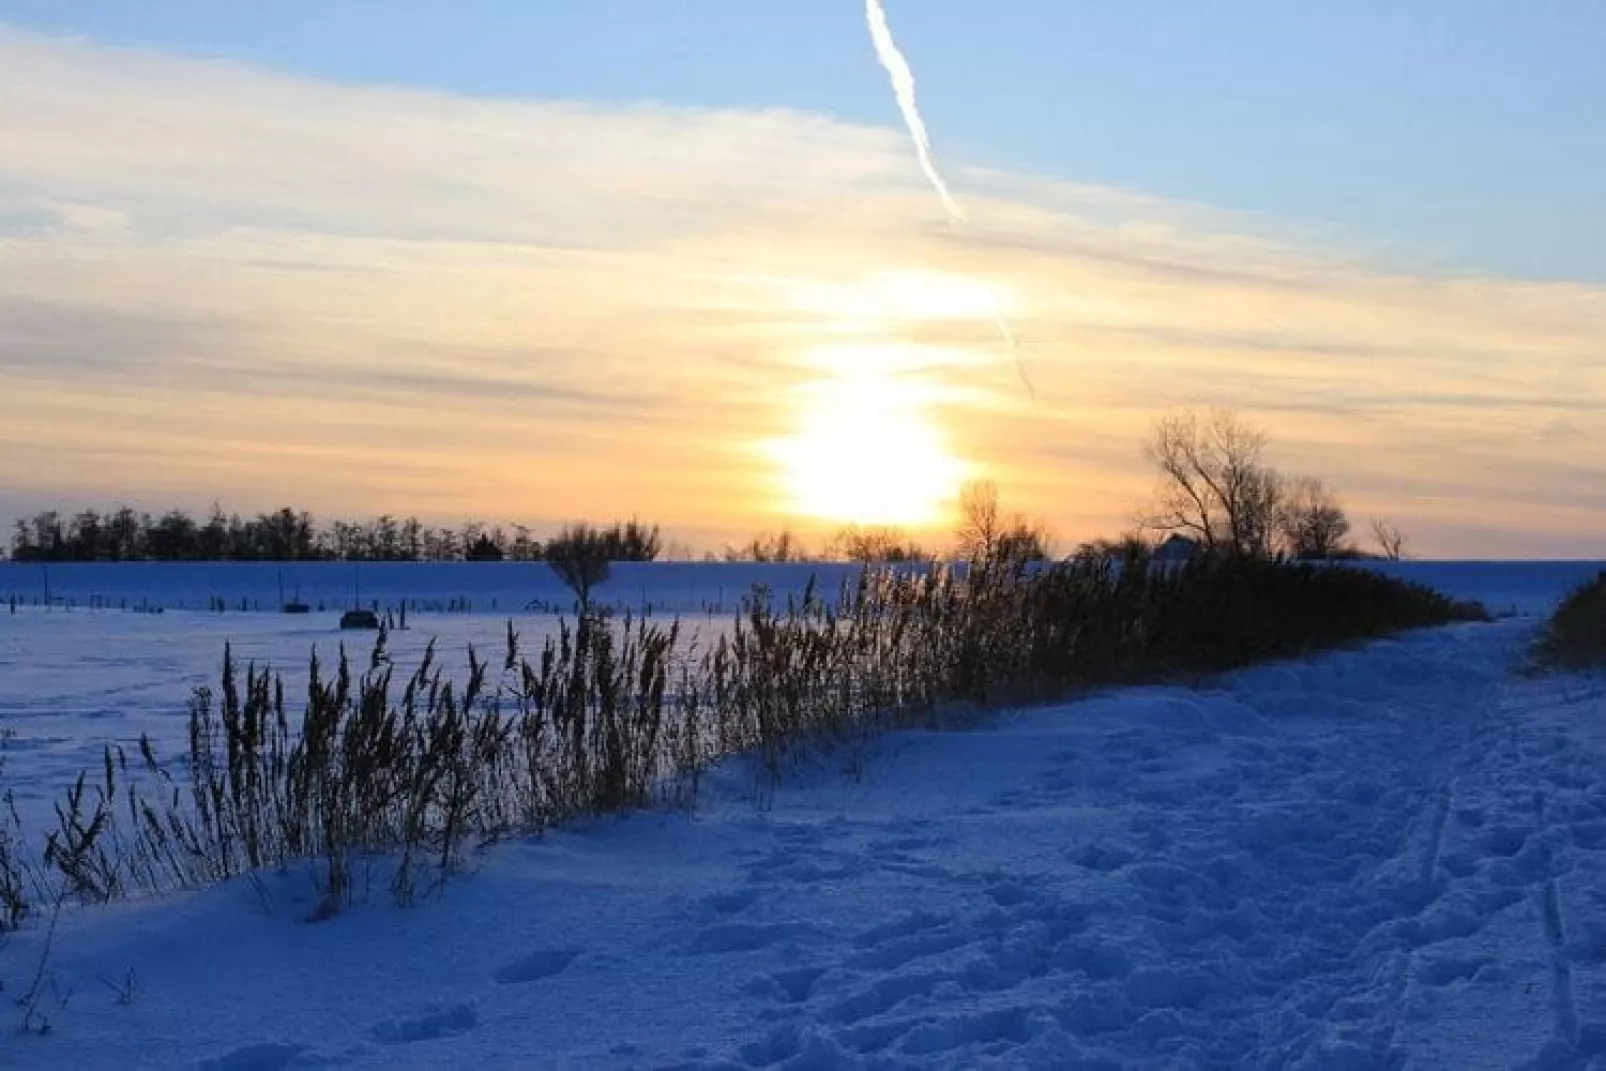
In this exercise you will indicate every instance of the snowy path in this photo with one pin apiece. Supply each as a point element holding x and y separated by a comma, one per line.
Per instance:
<point>1390,857</point>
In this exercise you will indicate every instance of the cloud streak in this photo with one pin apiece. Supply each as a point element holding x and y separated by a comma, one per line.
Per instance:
<point>220,281</point>
<point>903,87</point>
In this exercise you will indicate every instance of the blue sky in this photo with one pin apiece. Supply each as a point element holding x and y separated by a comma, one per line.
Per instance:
<point>1465,134</point>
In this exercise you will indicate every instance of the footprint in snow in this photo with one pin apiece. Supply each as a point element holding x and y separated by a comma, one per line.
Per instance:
<point>1100,858</point>
<point>1506,840</point>
<point>743,937</point>
<point>535,966</point>
<point>1008,893</point>
<point>903,926</point>
<point>880,997</point>
<point>723,905</point>
<point>999,1027</point>
<point>898,952</point>
<point>796,835</point>
<point>269,1056</point>
<point>905,844</point>
<point>446,1023</point>
<point>874,1036</point>
<point>788,987</point>
<point>1449,969</point>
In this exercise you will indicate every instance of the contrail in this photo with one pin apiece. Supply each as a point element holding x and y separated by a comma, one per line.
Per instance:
<point>903,85</point>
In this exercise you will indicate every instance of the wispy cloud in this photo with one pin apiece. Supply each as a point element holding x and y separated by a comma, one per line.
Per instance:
<point>222,281</point>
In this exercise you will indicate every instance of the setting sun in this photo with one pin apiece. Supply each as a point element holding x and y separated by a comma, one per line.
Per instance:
<point>868,449</point>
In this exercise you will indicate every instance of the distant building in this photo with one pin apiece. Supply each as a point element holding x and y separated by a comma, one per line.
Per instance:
<point>1177,548</point>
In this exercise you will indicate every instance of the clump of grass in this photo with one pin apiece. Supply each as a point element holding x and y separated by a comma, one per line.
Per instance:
<point>1575,636</point>
<point>416,769</point>
<point>15,871</point>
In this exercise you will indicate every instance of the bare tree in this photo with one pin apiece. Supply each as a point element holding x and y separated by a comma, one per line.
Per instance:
<point>1022,541</point>
<point>580,556</point>
<point>985,535</point>
<point>1128,547</point>
<point>1256,501</point>
<point>1213,485</point>
<point>979,526</point>
<point>1390,540</point>
<point>678,550</point>
<point>877,545</point>
<point>782,546</point>
<point>1311,521</point>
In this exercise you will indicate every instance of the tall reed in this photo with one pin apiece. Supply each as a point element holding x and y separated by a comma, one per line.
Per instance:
<point>612,714</point>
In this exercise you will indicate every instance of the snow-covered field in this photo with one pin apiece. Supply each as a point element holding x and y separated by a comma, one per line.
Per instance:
<point>479,587</point>
<point>663,587</point>
<point>1384,857</point>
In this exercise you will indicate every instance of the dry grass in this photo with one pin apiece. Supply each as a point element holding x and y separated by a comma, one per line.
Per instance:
<point>613,714</point>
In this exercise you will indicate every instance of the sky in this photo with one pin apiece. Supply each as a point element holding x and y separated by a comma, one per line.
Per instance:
<point>594,258</point>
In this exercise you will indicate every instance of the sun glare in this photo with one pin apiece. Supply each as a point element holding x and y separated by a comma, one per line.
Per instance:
<point>868,450</point>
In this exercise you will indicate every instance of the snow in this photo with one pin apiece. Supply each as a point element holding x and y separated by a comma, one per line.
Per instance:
<point>1392,856</point>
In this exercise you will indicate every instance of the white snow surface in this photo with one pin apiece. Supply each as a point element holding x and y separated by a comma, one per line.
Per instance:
<point>1390,856</point>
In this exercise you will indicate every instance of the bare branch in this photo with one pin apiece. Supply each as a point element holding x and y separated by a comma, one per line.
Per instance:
<point>978,532</point>
<point>1390,540</point>
<point>1213,485</point>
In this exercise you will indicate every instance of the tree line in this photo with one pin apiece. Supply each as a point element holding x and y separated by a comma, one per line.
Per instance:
<point>982,531</point>
<point>1215,493</point>
<point>124,535</point>
<point>1215,489</point>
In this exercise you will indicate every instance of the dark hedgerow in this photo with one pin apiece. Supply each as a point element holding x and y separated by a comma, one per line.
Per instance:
<point>1575,636</point>
<point>612,715</point>
<point>1223,613</point>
